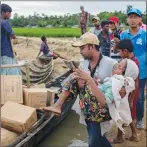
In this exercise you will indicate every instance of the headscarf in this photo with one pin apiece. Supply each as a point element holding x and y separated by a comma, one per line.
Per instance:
<point>132,69</point>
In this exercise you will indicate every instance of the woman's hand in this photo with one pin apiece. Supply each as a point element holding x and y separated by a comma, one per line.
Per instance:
<point>122,92</point>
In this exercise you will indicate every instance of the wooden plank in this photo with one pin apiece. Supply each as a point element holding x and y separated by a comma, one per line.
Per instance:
<point>12,65</point>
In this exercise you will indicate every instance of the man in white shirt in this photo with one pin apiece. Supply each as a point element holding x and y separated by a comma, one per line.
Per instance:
<point>97,27</point>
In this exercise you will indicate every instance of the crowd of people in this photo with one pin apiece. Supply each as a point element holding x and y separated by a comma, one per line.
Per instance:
<point>111,77</point>
<point>111,56</point>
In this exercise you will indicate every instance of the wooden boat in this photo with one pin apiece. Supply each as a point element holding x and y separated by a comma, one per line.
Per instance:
<point>50,122</point>
<point>39,71</point>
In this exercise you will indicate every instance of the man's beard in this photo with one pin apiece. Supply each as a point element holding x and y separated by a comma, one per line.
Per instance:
<point>97,25</point>
<point>87,57</point>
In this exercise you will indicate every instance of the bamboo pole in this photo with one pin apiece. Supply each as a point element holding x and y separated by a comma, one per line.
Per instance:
<point>11,65</point>
<point>27,75</point>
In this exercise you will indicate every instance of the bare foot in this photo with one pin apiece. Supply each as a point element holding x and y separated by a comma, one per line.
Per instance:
<point>52,109</point>
<point>116,140</point>
<point>133,138</point>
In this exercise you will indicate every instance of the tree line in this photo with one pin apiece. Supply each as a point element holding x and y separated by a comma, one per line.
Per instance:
<point>68,20</point>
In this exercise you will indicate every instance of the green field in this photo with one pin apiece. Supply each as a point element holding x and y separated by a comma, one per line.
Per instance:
<point>48,32</point>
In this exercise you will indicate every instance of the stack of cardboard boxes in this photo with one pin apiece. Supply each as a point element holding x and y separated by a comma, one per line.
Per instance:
<point>18,113</point>
<point>16,119</point>
<point>12,90</point>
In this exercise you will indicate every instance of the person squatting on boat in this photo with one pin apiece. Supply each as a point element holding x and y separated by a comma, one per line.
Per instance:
<point>45,49</point>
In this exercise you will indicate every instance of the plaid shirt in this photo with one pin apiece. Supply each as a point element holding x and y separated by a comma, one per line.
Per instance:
<point>117,33</point>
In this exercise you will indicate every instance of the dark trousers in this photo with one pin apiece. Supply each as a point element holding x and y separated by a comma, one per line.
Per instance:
<point>141,99</point>
<point>83,29</point>
<point>95,138</point>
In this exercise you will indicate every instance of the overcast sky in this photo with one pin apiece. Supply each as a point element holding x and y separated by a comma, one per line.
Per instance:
<point>63,7</point>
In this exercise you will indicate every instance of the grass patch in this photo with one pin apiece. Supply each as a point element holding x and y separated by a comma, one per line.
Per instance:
<point>48,32</point>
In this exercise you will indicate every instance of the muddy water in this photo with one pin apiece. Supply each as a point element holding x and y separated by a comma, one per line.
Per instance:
<point>72,134</point>
<point>68,134</point>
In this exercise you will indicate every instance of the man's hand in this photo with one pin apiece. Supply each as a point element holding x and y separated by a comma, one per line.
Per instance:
<point>116,40</point>
<point>115,49</point>
<point>13,36</point>
<point>131,104</point>
<point>131,98</point>
<point>81,83</point>
<point>80,74</point>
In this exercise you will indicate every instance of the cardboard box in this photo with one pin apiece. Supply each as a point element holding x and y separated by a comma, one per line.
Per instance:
<point>37,97</point>
<point>11,89</point>
<point>17,118</point>
<point>51,95</point>
<point>39,86</point>
<point>7,137</point>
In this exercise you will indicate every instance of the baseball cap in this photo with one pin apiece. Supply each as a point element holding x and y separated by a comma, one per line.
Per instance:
<point>87,38</point>
<point>114,19</point>
<point>136,11</point>
<point>5,8</point>
<point>96,18</point>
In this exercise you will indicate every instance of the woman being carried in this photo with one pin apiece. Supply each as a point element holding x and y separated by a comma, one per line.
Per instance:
<point>71,85</point>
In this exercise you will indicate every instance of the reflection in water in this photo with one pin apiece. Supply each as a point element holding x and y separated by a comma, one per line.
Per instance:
<point>78,143</point>
<point>69,133</point>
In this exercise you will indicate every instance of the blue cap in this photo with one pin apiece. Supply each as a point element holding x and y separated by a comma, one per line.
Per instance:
<point>136,11</point>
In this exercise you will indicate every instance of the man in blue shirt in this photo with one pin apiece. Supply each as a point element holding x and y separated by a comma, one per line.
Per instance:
<point>7,56</point>
<point>138,38</point>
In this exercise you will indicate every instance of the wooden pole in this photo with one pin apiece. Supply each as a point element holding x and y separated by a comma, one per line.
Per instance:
<point>27,75</point>
<point>11,65</point>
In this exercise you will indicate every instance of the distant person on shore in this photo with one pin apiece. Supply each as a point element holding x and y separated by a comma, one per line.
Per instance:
<point>83,20</point>
<point>7,54</point>
<point>45,49</point>
<point>97,27</point>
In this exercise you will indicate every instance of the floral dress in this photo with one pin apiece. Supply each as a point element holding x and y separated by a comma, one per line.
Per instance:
<point>89,105</point>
